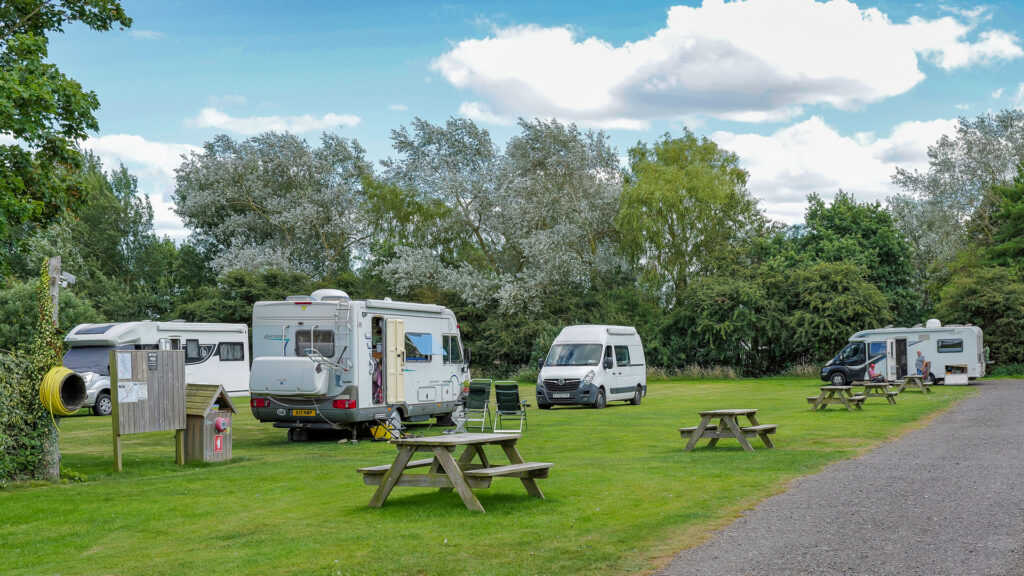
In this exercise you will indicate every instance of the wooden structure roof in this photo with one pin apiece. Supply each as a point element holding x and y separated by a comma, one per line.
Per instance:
<point>200,398</point>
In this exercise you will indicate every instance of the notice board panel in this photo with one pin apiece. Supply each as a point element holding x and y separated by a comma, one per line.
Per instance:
<point>147,388</point>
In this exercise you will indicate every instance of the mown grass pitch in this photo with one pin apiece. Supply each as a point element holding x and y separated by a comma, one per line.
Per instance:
<point>622,497</point>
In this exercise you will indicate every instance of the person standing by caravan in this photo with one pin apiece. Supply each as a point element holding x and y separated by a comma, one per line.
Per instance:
<point>919,363</point>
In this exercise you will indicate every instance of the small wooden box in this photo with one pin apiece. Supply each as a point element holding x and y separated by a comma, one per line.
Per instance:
<point>203,442</point>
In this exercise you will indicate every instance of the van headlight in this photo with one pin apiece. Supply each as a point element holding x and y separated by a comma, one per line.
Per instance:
<point>589,378</point>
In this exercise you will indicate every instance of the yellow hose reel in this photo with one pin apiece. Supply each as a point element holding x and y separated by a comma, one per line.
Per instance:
<point>62,391</point>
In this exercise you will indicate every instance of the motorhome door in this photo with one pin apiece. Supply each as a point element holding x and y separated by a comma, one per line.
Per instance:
<point>394,361</point>
<point>901,357</point>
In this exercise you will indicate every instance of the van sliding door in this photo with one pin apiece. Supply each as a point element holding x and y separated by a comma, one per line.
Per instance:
<point>394,362</point>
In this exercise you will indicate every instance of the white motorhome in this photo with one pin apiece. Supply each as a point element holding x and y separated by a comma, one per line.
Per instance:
<point>593,365</point>
<point>214,353</point>
<point>956,354</point>
<point>325,361</point>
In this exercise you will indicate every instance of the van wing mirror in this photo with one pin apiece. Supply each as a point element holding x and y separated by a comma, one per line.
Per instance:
<point>540,363</point>
<point>607,363</point>
<point>469,355</point>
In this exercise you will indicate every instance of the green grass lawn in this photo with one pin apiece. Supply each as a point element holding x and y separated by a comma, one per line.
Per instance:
<point>622,497</point>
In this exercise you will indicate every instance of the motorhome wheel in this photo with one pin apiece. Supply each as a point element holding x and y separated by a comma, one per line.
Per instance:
<point>103,405</point>
<point>599,402</point>
<point>637,396</point>
<point>838,379</point>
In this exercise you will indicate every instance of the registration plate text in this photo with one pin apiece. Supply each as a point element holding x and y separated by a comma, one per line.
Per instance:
<point>303,412</point>
<point>561,395</point>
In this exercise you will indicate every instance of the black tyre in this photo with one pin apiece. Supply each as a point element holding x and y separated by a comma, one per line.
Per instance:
<point>600,401</point>
<point>637,397</point>
<point>838,379</point>
<point>103,405</point>
<point>544,406</point>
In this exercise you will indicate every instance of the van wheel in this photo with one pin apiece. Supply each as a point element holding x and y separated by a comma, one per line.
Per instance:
<point>103,405</point>
<point>838,379</point>
<point>600,401</point>
<point>635,401</point>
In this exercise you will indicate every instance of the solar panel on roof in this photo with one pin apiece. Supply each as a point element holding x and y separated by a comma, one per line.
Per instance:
<point>100,329</point>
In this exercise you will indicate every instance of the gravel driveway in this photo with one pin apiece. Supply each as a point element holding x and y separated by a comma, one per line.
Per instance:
<point>946,499</point>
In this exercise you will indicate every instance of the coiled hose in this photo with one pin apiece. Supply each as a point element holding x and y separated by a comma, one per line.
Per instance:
<point>62,392</point>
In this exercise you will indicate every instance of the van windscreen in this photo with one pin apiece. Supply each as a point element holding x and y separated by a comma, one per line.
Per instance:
<point>574,355</point>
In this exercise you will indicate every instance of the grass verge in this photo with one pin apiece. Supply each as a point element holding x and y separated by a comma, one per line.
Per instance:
<point>623,495</point>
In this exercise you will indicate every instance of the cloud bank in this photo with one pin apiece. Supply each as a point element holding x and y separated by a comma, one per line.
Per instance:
<point>749,61</point>
<point>252,125</point>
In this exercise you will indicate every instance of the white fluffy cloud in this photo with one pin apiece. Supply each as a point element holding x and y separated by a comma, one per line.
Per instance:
<point>153,163</point>
<point>753,60</point>
<point>251,125</point>
<point>811,156</point>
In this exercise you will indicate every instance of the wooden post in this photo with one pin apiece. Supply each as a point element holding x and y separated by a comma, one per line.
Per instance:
<point>54,272</point>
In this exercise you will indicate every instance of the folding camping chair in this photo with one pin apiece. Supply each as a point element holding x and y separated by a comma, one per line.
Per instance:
<point>478,404</point>
<point>509,406</point>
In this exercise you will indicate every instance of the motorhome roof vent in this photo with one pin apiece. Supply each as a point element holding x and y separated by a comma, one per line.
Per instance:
<point>330,295</point>
<point>298,298</point>
<point>933,323</point>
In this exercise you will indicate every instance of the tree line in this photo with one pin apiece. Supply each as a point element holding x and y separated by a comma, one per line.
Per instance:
<point>549,230</point>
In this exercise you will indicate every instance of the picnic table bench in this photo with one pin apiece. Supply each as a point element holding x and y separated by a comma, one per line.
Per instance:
<point>836,395</point>
<point>915,381</point>
<point>877,390</point>
<point>446,473</point>
<point>728,427</point>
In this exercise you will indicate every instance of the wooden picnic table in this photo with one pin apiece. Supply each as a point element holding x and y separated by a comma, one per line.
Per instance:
<point>836,395</point>
<point>878,390</point>
<point>446,473</point>
<point>728,427</point>
<point>915,381</point>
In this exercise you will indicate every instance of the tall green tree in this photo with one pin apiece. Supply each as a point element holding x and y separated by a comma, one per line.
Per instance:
<point>685,209</point>
<point>864,233</point>
<point>1007,245</point>
<point>44,111</point>
<point>990,297</point>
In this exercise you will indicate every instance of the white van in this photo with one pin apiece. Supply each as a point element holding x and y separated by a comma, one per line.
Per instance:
<point>593,365</point>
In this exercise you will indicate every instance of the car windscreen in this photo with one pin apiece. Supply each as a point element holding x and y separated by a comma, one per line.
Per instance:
<point>83,359</point>
<point>574,355</point>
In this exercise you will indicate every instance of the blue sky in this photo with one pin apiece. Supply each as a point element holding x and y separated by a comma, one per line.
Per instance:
<point>813,96</point>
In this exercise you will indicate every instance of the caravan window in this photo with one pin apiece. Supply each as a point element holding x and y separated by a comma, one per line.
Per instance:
<point>231,351</point>
<point>452,349</point>
<point>322,342</point>
<point>192,351</point>
<point>950,345</point>
<point>420,346</point>
<point>876,348</point>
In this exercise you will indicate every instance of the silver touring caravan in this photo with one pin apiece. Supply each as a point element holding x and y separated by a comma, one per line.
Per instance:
<point>325,361</point>
<point>955,354</point>
<point>214,353</point>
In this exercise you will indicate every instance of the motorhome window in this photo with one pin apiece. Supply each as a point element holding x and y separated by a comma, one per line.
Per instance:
<point>574,355</point>
<point>876,348</point>
<point>192,351</point>
<point>94,359</point>
<point>419,346</point>
<point>102,328</point>
<point>950,345</point>
<point>323,342</point>
<point>622,356</point>
<point>231,351</point>
<point>452,349</point>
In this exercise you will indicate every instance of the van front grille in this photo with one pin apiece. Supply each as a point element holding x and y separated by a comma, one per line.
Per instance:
<point>559,385</point>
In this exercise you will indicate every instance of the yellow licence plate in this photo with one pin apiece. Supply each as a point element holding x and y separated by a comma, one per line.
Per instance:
<point>303,412</point>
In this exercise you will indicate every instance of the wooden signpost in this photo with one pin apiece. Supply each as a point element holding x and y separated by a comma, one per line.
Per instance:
<point>147,389</point>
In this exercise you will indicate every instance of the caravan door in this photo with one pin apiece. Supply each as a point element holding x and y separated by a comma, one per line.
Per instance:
<point>394,361</point>
<point>890,360</point>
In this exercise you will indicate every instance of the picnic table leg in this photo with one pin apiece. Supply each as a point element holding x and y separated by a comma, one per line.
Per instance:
<point>764,437</point>
<point>391,476</point>
<point>458,480</point>
<point>515,457</point>
<point>696,434</point>
<point>735,428</point>
<point>845,401</point>
<point>818,402</point>
<point>464,460</point>
<point>721,426</point>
